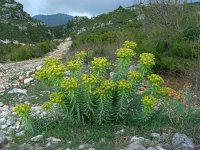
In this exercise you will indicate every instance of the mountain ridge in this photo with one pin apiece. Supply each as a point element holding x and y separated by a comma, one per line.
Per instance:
<point>54,19</point>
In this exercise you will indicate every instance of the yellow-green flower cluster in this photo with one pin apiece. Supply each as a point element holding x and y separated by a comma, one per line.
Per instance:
<point>149,102</point>
<point>22,110</point>
<point>155,80</point>
<point>89,79</point>
<point>124,53</point>
<point>80,55</point>
<point>73,65</point>
<point>163,91</point>
<point>52,69</point>
<point>147,60</point>
<point>69,84</point>
<point>100,62</point>
<point>130,45</point>
<point>134,75</point>
<point>106,86</point>
<point>56,97</point>
<point>51,61</point>
<point>124,84</point>
<point>47,105</point>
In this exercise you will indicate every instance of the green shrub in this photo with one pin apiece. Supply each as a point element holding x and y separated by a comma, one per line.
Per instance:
<point>90,95</point>
<point>22,53</point>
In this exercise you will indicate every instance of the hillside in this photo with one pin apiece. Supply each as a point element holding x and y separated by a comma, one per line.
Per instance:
<point>16,24</point>
<point>166,34</point>
<point>54,20</point>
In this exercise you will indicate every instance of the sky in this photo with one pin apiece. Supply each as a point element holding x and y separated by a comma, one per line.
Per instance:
<point>73,7</point>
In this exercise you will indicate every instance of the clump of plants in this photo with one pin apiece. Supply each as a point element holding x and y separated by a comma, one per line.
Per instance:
<point>91,93</point>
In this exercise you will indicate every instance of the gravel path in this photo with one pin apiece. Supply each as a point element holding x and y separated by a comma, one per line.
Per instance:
<point>12,71</point>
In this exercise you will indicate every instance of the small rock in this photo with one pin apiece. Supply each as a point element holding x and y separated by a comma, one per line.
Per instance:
<point>69,142</point>
<point>132,67</point>
<point>3,140</point>
<point>10,121</point>
<point>151,148</point>
<point>133,146</point>
<point>155,136</point>
<point>120,131</point>
<point>158,147</point>
<point>53,140</point>
<point>3,127</point>
<point>112,74</point>
<point>182,142</point>
<point>1,104</point>
<point>37,138</point>
<point>28,80</point>
<point>84,146</point>
<point>21,133</point>
<point>28,73</point>
<point>91,149</point>
<point>48,145</point>
<point>15,90</point>
<point>138,140</point>
<point>2,121</point>
<point>67,73</point>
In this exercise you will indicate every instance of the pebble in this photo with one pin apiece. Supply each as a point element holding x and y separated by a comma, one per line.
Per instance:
<point>1,104</point>
<point>37,138</point>
<point>3,140</point>
<point>2,121</point>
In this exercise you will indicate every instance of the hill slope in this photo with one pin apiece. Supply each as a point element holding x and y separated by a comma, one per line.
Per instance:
<point>16,24</point>
<point>167,34</point>
<point>54,20</point>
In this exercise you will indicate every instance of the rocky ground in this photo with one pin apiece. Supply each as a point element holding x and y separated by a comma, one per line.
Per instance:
<point>13,74</point>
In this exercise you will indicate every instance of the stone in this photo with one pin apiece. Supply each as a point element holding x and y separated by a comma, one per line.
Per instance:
<point>84,146</point>
<point>28,73</point>
<point>134,146</point>
<point>138,140</point>
<point>15,90</point>
<point>182,142</point>
<point>28,80</point>
<point>10,121</point>
<point>2,121</point>
<point>48,145</point>
<point>21,133</point>
<point>120,131</point>
<point>53,140</point>
<point>158,147</point>
<point>3,127</point>
<point>151,148</point>
<point>112,74</point>
<point>155,136</point>
<point>37,138</point>
<point>3,140</point>
<point>91,149</point>
<point>1,104</point>
<point>67,73</point>
<point>132,67</point>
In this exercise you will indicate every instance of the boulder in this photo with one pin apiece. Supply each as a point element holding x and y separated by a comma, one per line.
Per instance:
<point>3,140</point>
<point>134,146</point>
<point>182,142</point>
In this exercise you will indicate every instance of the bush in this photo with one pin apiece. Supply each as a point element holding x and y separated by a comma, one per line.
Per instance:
<point>22,53</point>
<point>90,95</point>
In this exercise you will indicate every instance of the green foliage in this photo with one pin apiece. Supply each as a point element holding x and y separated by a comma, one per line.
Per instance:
<point>172,33</point>
<point>89,95</point>
<point>11,52</point>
